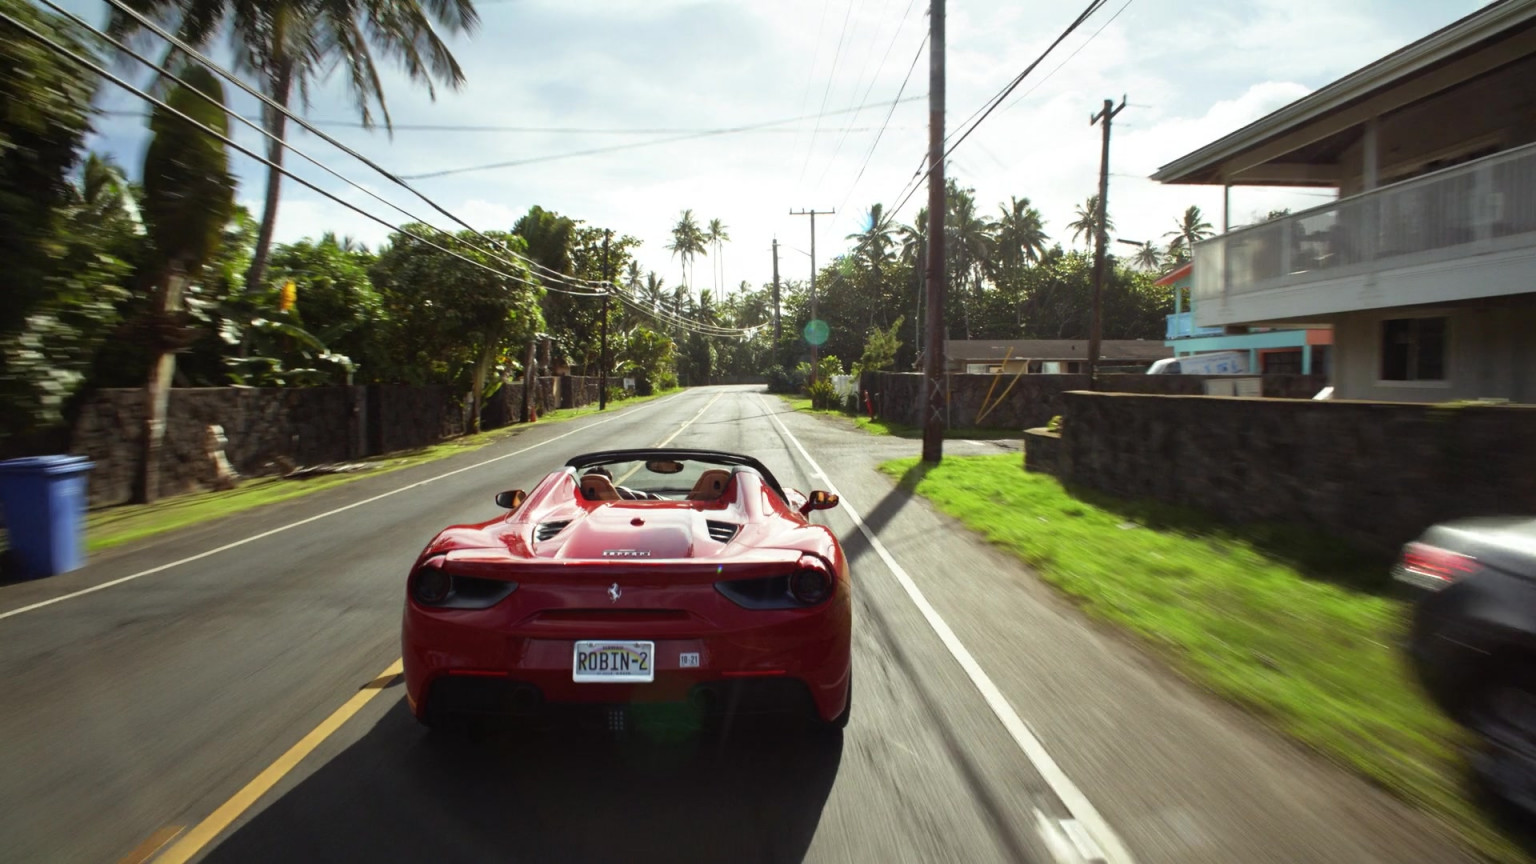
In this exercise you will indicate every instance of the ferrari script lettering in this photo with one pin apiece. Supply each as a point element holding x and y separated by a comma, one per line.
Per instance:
<point>626,553</point>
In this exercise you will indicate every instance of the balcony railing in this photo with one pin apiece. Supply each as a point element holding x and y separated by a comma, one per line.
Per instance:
<point>1482,206</point>
<point>1182,326</point>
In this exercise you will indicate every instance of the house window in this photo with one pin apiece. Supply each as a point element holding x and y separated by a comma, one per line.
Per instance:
<point>1413,349</point>
<point>1280,362</point>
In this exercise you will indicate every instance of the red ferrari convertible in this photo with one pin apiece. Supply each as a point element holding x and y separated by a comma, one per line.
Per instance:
<point>635,576</point>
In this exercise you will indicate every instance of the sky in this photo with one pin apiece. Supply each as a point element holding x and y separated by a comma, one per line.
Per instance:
<point>587,75</point>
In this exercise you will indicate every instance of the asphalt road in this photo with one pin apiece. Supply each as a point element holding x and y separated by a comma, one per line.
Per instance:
<point>991,722</point>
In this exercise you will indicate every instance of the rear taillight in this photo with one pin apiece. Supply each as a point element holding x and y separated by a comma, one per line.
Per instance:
<point>1432,567</point>
<point>810,585</point>
<point>432,586</point>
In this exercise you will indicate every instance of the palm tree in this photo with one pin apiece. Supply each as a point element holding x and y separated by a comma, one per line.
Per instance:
<point>188,197</point>
<point>632,276</point>
<point>687,242</point>
<point>968,245</point>
<point>1087,222</point>
<point>654,292</point>
<point>1148,256</point>
<point>715,237</point>
<point>914,253</point>
<point>1021,233</point>
<point>874,243</point>
<point>296,44</point>
<point>1189,230</point>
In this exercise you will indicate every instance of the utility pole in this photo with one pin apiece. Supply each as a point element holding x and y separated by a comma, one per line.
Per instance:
<point>933,355</point>
<point>1101,239</point>
<point>776,333</point>
<point>602,371</point>
<point>813,213</point>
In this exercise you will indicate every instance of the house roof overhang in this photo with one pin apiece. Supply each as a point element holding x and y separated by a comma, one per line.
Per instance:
<point>1498,34</point>
<point>1177,274</point>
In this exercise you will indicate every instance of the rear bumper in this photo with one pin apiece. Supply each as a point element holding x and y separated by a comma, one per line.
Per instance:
<point>474,661</point>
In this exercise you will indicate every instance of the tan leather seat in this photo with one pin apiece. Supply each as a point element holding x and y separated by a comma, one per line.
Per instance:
<point>710,484</point>
<point>596,487</point>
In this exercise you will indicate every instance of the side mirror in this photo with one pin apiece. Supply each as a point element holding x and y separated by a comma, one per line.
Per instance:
<point>511,500</point>
<point>819,500</point>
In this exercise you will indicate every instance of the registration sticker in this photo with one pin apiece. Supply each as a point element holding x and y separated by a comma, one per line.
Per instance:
<point>688,660</point>
<point>604,660</point>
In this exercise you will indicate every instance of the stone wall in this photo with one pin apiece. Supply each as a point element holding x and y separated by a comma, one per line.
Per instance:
<point>273,430</point>
<point>505,406</point>
<point>1376,473</point>
<point>1032,400</point>
<point>266,430</point>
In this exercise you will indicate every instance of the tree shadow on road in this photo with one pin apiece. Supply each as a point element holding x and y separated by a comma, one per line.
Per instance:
<point>404,794</point>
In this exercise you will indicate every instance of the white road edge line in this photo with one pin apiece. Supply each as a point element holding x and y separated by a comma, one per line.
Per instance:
<point>1114,852</point>
<point>265,534</point>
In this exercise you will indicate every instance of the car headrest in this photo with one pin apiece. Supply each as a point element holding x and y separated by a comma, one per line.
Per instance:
<point>710,485</point>
<point>596,487</point>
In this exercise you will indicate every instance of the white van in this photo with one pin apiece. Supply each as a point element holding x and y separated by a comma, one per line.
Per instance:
<point>1213,363</point>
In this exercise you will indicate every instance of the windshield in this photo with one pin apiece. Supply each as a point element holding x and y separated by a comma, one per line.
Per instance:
<point>656,477</point>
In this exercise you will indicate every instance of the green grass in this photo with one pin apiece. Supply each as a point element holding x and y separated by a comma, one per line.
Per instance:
<point>1288,624</point>
<point>115,526</point>
<point>899,430</point>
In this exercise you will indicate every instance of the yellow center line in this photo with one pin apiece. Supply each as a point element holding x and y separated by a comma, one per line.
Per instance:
<point>208,829</point>
<point>151,845</point>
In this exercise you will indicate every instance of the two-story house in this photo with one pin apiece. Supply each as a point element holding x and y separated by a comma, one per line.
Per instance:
<point>1270,350</point>
<point>1425,265</point>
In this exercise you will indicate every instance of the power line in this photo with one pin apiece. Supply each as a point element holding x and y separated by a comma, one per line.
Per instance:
<point>870,89</point>
<point>633,145</point>
<point>1095,34</point>
<point>991,104</point>
<point>831,75</point>
<point>705,329</point>
<point>551,130</point>
<point>193,53</point>
<point>888,115</point>
<point>263,131</point>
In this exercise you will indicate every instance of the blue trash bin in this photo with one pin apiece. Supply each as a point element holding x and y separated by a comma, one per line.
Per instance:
<point>44,502</point>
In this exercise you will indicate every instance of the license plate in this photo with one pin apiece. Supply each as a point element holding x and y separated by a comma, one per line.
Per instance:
<point>602,660</point>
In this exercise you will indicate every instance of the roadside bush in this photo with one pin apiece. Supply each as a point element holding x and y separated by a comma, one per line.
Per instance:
<point>643,386</point>
<point>1054,425</point>
<point>823,394</point>
<point>781,380</point>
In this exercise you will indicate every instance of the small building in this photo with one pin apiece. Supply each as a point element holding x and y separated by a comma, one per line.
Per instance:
<point>1049,356</point>
<point>1425,264</point>
<point>1271,350</point>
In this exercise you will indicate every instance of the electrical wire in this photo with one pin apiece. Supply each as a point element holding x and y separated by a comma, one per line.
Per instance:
<point>831,76</point>
<point>986,109</point>
<point>888,115</point>
<point>634,145</point>
<point>168,75</point>
<point>867,90</point>
<point>693,326</point>
<point>193,53</point>
<point>1095,35</point>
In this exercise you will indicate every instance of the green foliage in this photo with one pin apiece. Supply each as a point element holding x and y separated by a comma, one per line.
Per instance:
<point>188,191</point>
<point>880,347</point>
<point>1054,425</point>
<point>781,380</point>
<point>444,313</point>
<point>823,395</point>
<point>336,301</point>
<point>45,114</point>
<point>645,354</point>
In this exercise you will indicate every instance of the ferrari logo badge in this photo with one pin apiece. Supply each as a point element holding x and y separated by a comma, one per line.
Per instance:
<point>614,593</point>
